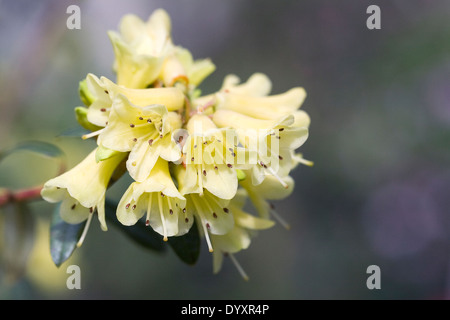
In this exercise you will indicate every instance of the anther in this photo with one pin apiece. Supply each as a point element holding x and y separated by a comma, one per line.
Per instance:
<point>149,120</point>
<point>226,210</point>
<point>103,110</point>
<point>133,207</point>
<point>170,211</point>
<point>127,206</point>
<point>229,165</point>
<point>73,207</point>
<point>140,118</point>
<point>150,142</point>
<point>204,173</point>
<point>214,215</point>
<point>131,125</point>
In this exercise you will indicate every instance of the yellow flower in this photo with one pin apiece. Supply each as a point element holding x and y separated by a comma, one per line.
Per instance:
<point>211,212</point>
<point>141,48</point>
<point>270,189</point>
<point>82,189</point>
<point>159,199</point>
<point>145,132</point>
<point>273,141</point>
<point>211,158</point>
<point>103,91</point>
<point>145,53</point>
<point>252,99</point>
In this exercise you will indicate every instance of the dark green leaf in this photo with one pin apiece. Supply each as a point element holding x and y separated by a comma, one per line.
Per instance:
<point>140,233</point>
<point>63,237</point>
<point>187,247</point>
<point>39,147</point>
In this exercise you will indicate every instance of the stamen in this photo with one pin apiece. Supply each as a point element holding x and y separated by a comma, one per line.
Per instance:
<point>279,218</point>
<point>238,267</point>
<point>162,218</point>
<point>85,230</point>
<point>92,134</point>
<point>208,240</point>
<point>149,208</point>
<point>272,172</point>
<point>207,105</point>
<point>131,125</point>
<point>204,225</point>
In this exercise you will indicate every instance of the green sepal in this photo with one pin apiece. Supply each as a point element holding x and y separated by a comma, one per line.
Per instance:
<point>104,153</point>
<point>85,95</point>
<point>81,116</point>
<point>240,175</point>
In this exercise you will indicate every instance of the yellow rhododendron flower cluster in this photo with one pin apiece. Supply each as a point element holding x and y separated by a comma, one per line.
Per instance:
<point>192,158</point>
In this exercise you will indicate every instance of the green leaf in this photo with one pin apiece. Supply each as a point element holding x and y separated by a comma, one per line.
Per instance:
<point>140,233</point>
<point>76,132</point>
<point>187,247</point>
<point>63,237</point>
<point>39,147</point>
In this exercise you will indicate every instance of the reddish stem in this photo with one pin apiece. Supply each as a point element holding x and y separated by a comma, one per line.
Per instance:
<point>21,195</point>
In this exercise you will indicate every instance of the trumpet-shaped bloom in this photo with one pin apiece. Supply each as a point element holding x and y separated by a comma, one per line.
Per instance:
<point>211,158</point>
<point>158,198</point>
<point>141,48</point>
<point>103,91</point>
<point>211,212</point>
<point>273,141</point>
<point>251,98</point>
<point>82,189</point>
<point>270,189</point>
<point>146,132</point>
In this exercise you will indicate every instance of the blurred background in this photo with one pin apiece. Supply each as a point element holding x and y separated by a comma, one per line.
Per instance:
<point>379,101</point>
